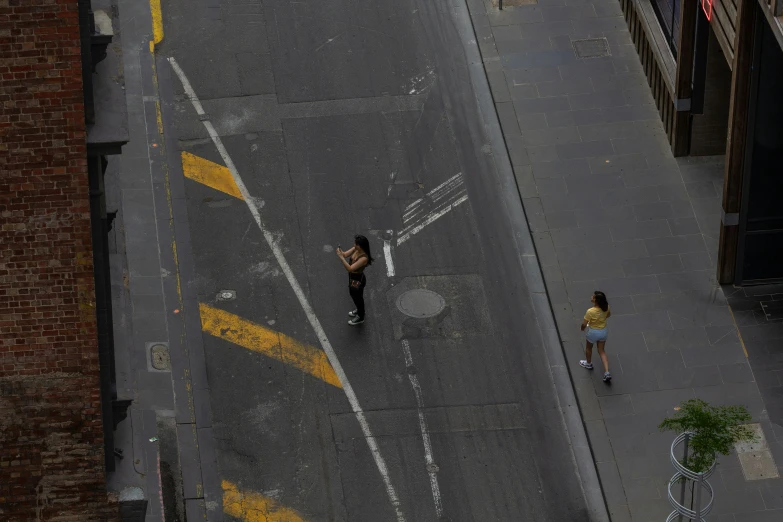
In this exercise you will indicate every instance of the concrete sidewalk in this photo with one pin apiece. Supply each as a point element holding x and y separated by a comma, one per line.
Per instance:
<point>611,209</point>
<point>167,438</point>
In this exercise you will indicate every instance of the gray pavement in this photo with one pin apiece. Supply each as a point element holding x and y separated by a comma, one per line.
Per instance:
<point>338,119</point>
<point>166,438</point>
<point>611,209</point>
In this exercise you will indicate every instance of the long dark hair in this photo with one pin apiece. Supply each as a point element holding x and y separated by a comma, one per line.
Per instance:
<point>364,244</point>
<point>600,300</point>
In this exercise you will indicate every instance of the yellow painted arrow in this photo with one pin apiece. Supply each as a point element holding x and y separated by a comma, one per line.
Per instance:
<point>249,506</point>
<point>210,174</point>
<point>257,338</point>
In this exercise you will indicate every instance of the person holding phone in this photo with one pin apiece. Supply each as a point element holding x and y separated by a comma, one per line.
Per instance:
<point>594,326</point>
<point>355,260</point>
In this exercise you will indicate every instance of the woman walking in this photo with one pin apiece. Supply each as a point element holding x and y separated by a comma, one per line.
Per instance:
<point>595,325</point>
<point>355,260</point>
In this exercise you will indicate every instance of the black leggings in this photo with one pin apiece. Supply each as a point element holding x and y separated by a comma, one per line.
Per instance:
<point>357,294</point>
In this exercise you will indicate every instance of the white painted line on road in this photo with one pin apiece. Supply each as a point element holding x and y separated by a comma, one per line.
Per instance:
<point>455,178</point>
<point>434,195</point>
<point>425,435</point>
<point>305,304</point>
<point>388,255</point>
<point>434,209</point>
<point>429,219</point>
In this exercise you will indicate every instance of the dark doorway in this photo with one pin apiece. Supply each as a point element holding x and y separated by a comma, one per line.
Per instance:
<point>711,93</point>
<point>761,232</point>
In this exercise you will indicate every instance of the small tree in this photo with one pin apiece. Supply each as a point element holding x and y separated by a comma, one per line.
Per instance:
<point>715,429</point>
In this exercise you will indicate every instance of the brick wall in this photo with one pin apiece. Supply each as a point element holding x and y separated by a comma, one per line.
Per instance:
<point>51,452</point>
<point>709,130</point>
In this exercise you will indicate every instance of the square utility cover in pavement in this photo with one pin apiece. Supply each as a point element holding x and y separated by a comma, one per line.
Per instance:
<point>756,457</point>
<point>439,306</point>
<point>591,48</point>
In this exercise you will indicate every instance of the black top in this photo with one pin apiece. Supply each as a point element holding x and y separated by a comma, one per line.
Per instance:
<point>357,276</point>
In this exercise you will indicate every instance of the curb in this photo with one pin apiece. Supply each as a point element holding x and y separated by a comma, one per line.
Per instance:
<point>198,461</point>
<point>561,378</point>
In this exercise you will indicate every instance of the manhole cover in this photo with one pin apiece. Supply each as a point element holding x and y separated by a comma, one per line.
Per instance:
<point>420,303</point>
<point>591,47</point>
<point>226,295</point>
<point>161,360</point>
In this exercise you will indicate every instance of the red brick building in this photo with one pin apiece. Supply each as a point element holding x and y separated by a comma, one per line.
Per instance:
<point>52,412</point>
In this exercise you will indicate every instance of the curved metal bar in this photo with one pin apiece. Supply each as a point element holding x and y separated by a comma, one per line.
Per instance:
<point>679,509</point>
<point>682,469</point>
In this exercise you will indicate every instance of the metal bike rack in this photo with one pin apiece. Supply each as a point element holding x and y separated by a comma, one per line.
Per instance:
<point>682,475</point>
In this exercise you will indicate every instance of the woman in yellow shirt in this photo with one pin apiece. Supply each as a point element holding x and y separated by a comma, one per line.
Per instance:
<point>594,325</point>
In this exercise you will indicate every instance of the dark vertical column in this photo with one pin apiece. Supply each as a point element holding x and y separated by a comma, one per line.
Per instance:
<point>744,44</point>
<point>86,26</point>
<point>106,225</point>
<point>684,78</point>
<point>700,62</point>
<point>102,302</point>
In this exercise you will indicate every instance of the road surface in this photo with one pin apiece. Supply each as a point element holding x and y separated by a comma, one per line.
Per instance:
<point>330,119</point>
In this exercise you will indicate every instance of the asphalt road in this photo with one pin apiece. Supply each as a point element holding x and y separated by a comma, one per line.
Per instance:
<point>339,116</point>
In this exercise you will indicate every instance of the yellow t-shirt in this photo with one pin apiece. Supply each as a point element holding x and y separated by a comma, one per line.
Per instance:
<point>596,318</point>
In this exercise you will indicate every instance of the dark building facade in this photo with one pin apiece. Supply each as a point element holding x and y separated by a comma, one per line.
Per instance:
<point>715,68</point>
<point>58,122</point>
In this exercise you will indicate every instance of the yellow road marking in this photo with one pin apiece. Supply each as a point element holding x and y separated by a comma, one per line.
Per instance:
<point>257,338</point>
<point>159,117</point>
<point>739,333</point>
<point>157,21</point>
<point>210,174</point>
<point>255,507</point>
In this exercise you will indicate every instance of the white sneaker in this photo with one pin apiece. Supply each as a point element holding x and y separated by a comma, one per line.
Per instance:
<point>355,321</point>
<point>353,313</point>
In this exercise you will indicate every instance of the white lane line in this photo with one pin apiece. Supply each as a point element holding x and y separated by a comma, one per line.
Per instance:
<point>314,322</point>
<point>433,210</point>
<point>440,192</point>
<point>431,218</point>
<point>425,434</point>
<point>432,200</point>
<point>388,255</point>
<point>435,193</point>
<point>455,179</point>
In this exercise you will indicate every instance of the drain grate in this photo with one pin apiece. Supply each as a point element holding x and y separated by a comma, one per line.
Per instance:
<point>160,359</point>
<point>591,47</point>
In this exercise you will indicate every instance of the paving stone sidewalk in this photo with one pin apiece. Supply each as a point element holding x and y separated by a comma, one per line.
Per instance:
<point>167,436</point>
<point>610,209</point>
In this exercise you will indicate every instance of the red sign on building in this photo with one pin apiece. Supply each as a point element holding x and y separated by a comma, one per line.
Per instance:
<point>706,6</point>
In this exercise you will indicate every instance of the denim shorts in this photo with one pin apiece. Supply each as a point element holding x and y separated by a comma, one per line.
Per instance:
<point>596,334</point>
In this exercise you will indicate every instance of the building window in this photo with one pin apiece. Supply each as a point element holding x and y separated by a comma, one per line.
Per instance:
<point>668,13</point>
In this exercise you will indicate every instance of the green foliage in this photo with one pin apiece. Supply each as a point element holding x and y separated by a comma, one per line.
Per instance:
<point>715,430</point>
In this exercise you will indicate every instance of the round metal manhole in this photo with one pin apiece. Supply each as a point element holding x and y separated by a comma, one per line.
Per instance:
<point>226,295</point>
<point>420,303</point>
<point>161,360</point>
